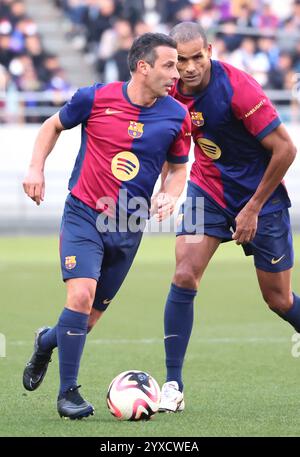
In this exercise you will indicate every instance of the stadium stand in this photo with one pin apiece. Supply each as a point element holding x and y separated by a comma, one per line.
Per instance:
<point>48,48</point>
<point>26,67</point>
<point>250,34</point>
<point>260,37</point>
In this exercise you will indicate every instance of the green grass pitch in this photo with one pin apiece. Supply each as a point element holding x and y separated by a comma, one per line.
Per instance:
<point>240,376</point>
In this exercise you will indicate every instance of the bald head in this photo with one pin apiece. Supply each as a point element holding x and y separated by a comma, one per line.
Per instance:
<point>188,31</point>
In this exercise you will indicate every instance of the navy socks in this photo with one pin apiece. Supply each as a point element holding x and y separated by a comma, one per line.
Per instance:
<point>71,332</point>
<point>178,322</point>
<point>48,340</point>
<point>293,314</point>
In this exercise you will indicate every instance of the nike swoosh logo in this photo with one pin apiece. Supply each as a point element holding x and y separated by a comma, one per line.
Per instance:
<point>274,261</point>
<point>169,336</point>
<point>74,334</point>
<point>106,301</point>
<point>33,383</point>
<point>112,111</point>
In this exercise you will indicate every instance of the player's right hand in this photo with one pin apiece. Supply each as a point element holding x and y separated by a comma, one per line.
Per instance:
<point>246,225</point>
<point>163,206</point>
<point>34,185</point>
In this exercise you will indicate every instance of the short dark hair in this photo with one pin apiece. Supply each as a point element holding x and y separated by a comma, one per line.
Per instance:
<point>188,31</point>
<point>143,48</point>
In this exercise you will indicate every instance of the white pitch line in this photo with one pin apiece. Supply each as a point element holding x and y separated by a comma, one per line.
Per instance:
<point>251,340</point>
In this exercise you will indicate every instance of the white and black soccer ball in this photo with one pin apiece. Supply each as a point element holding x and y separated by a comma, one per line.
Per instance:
<point>133,395</point>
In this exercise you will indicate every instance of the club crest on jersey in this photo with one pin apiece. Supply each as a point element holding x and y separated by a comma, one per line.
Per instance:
<point>125,166</point>
<point>135,129</point>
<point>70,262</point>
<point>209,148</point>
<point>197,118</point>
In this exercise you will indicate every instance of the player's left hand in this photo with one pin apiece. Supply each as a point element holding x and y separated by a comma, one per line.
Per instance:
<point>162,206</point>
<point>246,226</point>
<point>34,185</point>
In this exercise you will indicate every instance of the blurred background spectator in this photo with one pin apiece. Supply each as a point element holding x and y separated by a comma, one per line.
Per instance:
<point>261,37</point>
<point>26,67</point>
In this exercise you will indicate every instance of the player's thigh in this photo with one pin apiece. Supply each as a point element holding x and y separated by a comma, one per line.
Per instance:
<point>193,253</point>
<point>81,245</point>
<point>202,226</point>
<point>276,288</point>
<point>273,252</point>
<point>272,246</point>
<point>115,267</point>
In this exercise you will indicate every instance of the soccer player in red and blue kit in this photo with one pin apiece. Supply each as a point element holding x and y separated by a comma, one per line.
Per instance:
<point>129,130</point>
<point>242,152</point>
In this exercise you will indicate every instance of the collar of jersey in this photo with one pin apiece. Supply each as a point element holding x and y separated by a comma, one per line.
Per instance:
<point>140,107</point>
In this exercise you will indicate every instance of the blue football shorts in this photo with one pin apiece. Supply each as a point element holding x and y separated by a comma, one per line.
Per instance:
<point>86,252</point>
<point>272,246</point>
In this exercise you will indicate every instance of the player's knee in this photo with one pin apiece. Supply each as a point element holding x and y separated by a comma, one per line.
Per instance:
<point>81,300</point>
<point>185,277</point>
<point>277,302</point>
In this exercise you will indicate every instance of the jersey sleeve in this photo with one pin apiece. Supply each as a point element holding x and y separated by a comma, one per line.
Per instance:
<point>251,105</point>
<point>179,150</point>
<point>78,109</point>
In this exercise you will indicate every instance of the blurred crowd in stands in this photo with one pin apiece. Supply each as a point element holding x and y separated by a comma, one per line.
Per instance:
<point>261,37</point>
<point>25,66</point>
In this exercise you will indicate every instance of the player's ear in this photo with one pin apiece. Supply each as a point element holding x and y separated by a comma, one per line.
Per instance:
<point>143,67</point>
<point>209,50</point>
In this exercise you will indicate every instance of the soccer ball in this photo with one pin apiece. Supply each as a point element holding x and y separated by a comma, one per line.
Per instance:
<point>133,395</point>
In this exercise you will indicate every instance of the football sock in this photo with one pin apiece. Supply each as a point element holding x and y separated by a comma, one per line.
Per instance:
<point>178,322</point>
<point>49,339</point>
<point>293,314</point>
<point>71,335</point>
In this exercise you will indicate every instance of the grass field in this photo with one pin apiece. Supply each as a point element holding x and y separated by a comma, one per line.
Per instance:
<point>240,376</point>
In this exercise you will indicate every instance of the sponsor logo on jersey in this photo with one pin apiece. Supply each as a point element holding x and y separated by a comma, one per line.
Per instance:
<point>135,129</point>
<point>70,262</point>
<point>209,148</point>
<point>125,166</point>
<point>255,108</point>
<point>197,118</point>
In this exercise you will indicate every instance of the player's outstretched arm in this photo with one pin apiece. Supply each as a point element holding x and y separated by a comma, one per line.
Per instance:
<point>34,182</point>
<point>172,185</point>
<point>283,153</point>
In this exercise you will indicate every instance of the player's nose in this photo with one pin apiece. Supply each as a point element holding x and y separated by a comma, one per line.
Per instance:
<point>175,74</point>
<point>190,67</point>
